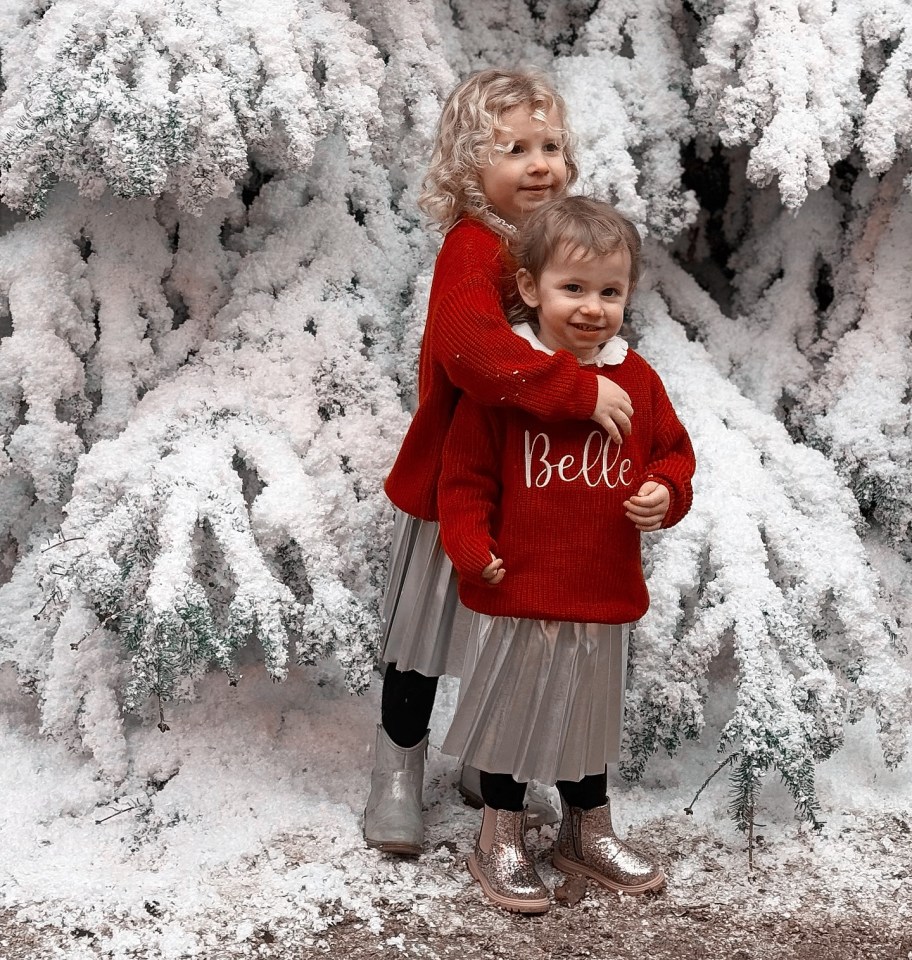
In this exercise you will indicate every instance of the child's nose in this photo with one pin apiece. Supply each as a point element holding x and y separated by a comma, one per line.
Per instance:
<point>538,162</point>
<point>590,305</point>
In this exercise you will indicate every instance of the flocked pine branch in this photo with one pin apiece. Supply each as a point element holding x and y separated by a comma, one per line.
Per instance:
<point>766,346</point>
<point>120,302</point>
<point>811,640</point>
<point>859,410</point>
<point>80,697</point>
<point>783,77</point>
<point>171,97</point>
<point>625,83</point>
<point>505,32</point>
<point>887,127</point>
<point>418,74</point>
<point>41,369</point>
<point>169,553</point>
<point>244,498</point>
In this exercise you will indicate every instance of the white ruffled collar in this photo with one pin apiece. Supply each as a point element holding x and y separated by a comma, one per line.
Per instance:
<point>612,353</point>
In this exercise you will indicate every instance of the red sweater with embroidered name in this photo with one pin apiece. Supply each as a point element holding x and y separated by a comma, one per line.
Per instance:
<point>468,346</point>
<point>547,498</point>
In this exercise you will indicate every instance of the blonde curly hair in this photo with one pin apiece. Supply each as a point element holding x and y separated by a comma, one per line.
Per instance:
<point>467,131</point>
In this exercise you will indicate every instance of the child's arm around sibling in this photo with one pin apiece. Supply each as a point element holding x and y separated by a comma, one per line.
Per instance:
<point>469,335</point>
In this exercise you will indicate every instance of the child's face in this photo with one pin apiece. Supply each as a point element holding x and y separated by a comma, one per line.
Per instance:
<point>579,299</point>
<point>531,171</point>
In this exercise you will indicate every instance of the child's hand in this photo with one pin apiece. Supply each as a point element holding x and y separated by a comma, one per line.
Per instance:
<point>648,508</point>
<point>613,409</point>
<point>494,571</point>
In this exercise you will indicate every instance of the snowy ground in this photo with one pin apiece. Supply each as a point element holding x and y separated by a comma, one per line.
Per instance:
<point>238,835</point>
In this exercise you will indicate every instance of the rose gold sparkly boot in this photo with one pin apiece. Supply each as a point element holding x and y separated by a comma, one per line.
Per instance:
<point>502,865</point>
<point>587,845</point>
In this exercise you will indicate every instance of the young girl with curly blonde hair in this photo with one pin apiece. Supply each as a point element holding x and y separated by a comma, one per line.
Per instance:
<point>502,149</point>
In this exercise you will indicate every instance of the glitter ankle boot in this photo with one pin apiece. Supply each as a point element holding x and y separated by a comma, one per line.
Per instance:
<point>588,846</point>
<point>502,865</point>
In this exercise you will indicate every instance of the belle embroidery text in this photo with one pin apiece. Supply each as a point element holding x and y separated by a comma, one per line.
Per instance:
<point>600,462</point>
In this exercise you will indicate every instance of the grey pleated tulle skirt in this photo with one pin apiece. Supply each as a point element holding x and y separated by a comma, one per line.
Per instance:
<point>540,699</point>
<point>420,601</point>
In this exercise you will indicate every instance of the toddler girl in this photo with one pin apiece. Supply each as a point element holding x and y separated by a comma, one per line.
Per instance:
<point>542,521</point>
<point>502,150</point>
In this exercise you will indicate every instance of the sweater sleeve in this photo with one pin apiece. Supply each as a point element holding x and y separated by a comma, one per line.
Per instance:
<point>469,489</point>
<point>473,342</point>
<point>671,460</point>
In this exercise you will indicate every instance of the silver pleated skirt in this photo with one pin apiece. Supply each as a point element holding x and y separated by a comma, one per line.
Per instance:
<point>540,699</point>
<point>420,602</point>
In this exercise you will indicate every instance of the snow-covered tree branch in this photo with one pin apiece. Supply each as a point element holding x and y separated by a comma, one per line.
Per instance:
<point>210,335</point>
<point>171,97</point>
<point>805,82</point>
<point>812,640</point>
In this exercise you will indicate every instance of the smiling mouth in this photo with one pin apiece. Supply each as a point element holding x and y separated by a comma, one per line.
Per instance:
<point>587,328</point>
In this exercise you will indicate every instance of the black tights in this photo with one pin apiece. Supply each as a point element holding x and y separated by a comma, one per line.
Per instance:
<point>406,704</point>
<point>405,712</point>
<point>502,792</point>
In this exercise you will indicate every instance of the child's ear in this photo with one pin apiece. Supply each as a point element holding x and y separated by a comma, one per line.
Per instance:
<point>528,289</point>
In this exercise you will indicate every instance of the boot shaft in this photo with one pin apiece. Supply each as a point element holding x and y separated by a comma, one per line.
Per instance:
<point>579,826</point>
<point>390,757</point>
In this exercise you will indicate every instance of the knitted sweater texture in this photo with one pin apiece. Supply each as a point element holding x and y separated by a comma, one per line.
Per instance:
<point>468,347</point>
<point>547,498</point>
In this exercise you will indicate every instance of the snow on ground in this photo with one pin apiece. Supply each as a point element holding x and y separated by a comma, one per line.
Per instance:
<point>244,816</point>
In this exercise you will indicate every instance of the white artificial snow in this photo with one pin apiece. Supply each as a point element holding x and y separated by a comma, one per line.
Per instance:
<point>201,841</point>
<point>785,78</point>
<point>765,511</point>
<point>859,409</point>
<point>630,112</point>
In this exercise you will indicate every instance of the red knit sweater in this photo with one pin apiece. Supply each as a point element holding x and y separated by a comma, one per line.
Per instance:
<point>468,346</point>
<point>548,499</point>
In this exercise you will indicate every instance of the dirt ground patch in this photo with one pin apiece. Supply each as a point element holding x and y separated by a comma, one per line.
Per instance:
<point>601,929</point>
<point>601,926</point>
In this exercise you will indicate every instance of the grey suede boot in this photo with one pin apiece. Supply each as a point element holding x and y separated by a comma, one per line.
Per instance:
<point>392,817</point>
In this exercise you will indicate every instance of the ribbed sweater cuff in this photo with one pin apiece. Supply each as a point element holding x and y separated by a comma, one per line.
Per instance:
<point>588,395</point>
<point>470,557</point>
<point>678,500</point>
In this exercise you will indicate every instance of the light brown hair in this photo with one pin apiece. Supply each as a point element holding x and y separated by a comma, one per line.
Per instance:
<point>590,227</point>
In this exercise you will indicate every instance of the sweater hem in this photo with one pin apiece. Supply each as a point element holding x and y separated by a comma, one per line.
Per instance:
<point>475,600</point>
